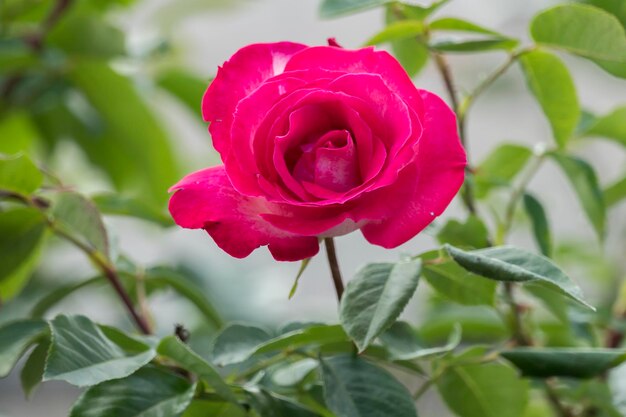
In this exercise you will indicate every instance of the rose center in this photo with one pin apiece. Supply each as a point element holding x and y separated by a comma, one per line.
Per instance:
<point>330,162</point>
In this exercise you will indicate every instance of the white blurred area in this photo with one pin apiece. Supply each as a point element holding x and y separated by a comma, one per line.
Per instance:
<point>207,32</point>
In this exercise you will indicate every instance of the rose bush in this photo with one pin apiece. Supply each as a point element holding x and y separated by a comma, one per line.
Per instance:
<point>318,142</point>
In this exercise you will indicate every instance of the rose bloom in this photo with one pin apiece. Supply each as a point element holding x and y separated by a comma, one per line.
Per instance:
<point>318,142</point>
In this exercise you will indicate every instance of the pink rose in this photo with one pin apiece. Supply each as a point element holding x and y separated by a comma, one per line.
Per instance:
<point>318,142</point>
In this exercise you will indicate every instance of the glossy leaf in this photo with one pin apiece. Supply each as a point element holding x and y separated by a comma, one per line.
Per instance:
<point>411,52</point>
<point>399,30</point>
<point>615,7</point>
<point>57,295</point>
<point>81,219</point>
<point>403,343</point>
<point>313,335</point>
<point>374,299</point>
<point>552,85</point>
<point>121,205</point>
<point>459,25</point>
<point>611,126</point>
<point>565,362</point>
<point>15,338</point>
<point>500,167</point>
<point>585,183</point>
<point>202,408</point>
<point>539,221</point>
<point>335,8</point>
<point>172,348</point>
<point>22,233</point>
<point>615,192</point>
<point>269,404</point>
<point>81,354</point>
<point>32,372</point>
<point>455,283</point>
<point>472,233</point>
<point>582,30</point>
<point>19,174</point>
<point>356,388</point>
<point>483,390</point>
<point>478,45</point>
<point>149,392</point>
<point>510,264</point>
<point>237,342</point>
<point>132,148</point>
<point>293,373</point>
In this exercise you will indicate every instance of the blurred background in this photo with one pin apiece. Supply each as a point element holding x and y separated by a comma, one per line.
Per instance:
<point>135,125</point>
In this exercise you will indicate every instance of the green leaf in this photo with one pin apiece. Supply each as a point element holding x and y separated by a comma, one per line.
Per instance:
<point>186,87</point>
<point>611,126</point>
<point>403,344</point>
<point>133,148</point>
<point>335,8</point>
<point>460,25</point>
<point>294,287</point>
<point>615,192</point>
<point>272,405</point>
<point>81,218</point>
<point>164,277</point>
<point>32,372</point>
<point>293,373</point>
<point>17,124</point>
<point>15,338</point>
<point>176,350</point>
<point>374,299</point>
<point>356,388</point>
<point>510,264</point>
<point>552,85</point>
<point>566,362</point>
<point>551,300</point>
<point>82,354</point>
<point>18,174</point>
<point>57,295</point>
<point>202,408</point>
<point>22,233</point>
<point>149,392</point>
<point>411,52</point>
<point>478,45</point>
<point>583,178</point>
<point>500,167</point>
<point>121,205</point>
<point>236,343</point>
<point>97,38</point>
<point>455,283</point>
<point>406,10</point>
<point>539,221</point>
<point>473,233</point>
<point>399,30</point>
<point>582,30</point>
<point>615,7</point>
<point>483,390</point>
<point>313,335</point>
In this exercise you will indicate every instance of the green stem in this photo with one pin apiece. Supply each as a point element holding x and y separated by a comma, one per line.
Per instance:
<point>516,196</point>
<point>335,272</point>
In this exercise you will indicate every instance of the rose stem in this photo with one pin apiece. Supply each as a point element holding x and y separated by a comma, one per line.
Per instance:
<point>329,243</point>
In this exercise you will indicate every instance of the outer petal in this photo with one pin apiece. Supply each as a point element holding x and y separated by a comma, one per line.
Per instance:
<point>425,188</point>
<point>206,200</point>
<point>238,77</point>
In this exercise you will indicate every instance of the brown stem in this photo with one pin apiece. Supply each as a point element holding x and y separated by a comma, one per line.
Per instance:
<point>329,243</point>
<point>553,397</point>
<point>444,69</point>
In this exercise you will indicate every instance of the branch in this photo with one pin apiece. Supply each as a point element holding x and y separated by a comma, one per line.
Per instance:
<point>329,243</point>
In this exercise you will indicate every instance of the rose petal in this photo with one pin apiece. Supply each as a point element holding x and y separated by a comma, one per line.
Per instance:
<point>425,188</point>
<point>206,199</point>
<point>238,77</point>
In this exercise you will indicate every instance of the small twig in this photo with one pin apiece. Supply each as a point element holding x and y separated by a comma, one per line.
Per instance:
<point>553,397</point>
<point>520,337</point>
<point>444,69</point>
<point>329,243</point>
